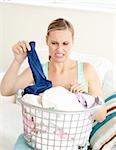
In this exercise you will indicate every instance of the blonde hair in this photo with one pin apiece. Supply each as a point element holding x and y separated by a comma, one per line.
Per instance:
<point>60,24</point>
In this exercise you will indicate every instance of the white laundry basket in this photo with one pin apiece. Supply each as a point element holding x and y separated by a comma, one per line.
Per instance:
<point>48,129</point>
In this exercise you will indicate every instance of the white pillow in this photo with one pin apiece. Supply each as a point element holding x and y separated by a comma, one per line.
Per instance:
<point>107,85</point>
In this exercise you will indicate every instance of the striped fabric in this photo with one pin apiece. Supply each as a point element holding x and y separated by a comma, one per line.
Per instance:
<point>103,135</point>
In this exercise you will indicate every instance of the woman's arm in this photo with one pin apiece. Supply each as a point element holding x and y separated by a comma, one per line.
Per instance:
<point>94,88</point>
<point>11,81</point>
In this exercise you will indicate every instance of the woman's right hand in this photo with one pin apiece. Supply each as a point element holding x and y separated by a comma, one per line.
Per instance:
<point>20,51</point>
<point>75,88</point>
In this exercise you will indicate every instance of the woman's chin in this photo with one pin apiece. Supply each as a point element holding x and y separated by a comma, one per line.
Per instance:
<point>59,60</point>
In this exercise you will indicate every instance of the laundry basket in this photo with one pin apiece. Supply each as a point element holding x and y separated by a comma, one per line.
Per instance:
<point>49,129</point>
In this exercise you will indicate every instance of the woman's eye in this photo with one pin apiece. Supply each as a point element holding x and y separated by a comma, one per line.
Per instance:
<point>65,43</point>
<point>53,43</point>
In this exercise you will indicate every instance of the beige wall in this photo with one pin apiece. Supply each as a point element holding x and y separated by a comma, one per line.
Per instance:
<point>1,36</point>
<point>94,31</point>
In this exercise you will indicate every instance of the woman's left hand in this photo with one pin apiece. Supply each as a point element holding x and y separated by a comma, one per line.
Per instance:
<point>75,88</point>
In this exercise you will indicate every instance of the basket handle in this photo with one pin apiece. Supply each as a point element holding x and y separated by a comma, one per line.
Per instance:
<point>19,94</point>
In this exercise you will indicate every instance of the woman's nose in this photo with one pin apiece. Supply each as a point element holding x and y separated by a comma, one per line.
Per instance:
<point>59,47</point>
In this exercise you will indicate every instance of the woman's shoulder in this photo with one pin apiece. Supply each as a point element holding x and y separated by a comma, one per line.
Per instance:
<point>85,65</point>
<point>88,67</point>
<point>89,71</point>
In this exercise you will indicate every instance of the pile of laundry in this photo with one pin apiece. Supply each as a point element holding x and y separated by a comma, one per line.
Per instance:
<point>59,98</point>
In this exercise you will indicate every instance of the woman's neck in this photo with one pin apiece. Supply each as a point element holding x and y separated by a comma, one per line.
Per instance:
<point>61,67</point>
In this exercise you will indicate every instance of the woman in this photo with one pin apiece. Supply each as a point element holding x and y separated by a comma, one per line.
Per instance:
<point>62,70</point>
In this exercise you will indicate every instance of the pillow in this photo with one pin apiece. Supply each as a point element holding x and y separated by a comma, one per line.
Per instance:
<point>107,86</point>
<point>103,135</point>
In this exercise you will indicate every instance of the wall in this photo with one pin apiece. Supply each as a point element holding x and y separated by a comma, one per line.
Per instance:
<point>94,31</point>
<point>1,37</point>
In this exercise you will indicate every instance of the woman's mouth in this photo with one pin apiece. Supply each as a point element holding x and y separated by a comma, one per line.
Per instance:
<point>59,55</point>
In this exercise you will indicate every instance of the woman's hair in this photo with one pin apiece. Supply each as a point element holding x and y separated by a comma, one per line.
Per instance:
<point>60,24</point>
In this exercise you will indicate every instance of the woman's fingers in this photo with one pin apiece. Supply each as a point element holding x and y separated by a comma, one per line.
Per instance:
<point>78,88</point>
<point>73,88</point>
<point>26,45</point>
<point>20,50</point>
<point>21,47</point>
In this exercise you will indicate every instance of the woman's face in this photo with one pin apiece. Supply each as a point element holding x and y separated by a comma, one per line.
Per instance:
<point>60,44</point>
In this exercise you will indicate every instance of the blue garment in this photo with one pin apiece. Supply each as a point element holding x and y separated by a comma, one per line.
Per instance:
<point>41,82</point>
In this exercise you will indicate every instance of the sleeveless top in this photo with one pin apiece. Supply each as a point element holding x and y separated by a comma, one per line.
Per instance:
<point>81,78</point>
